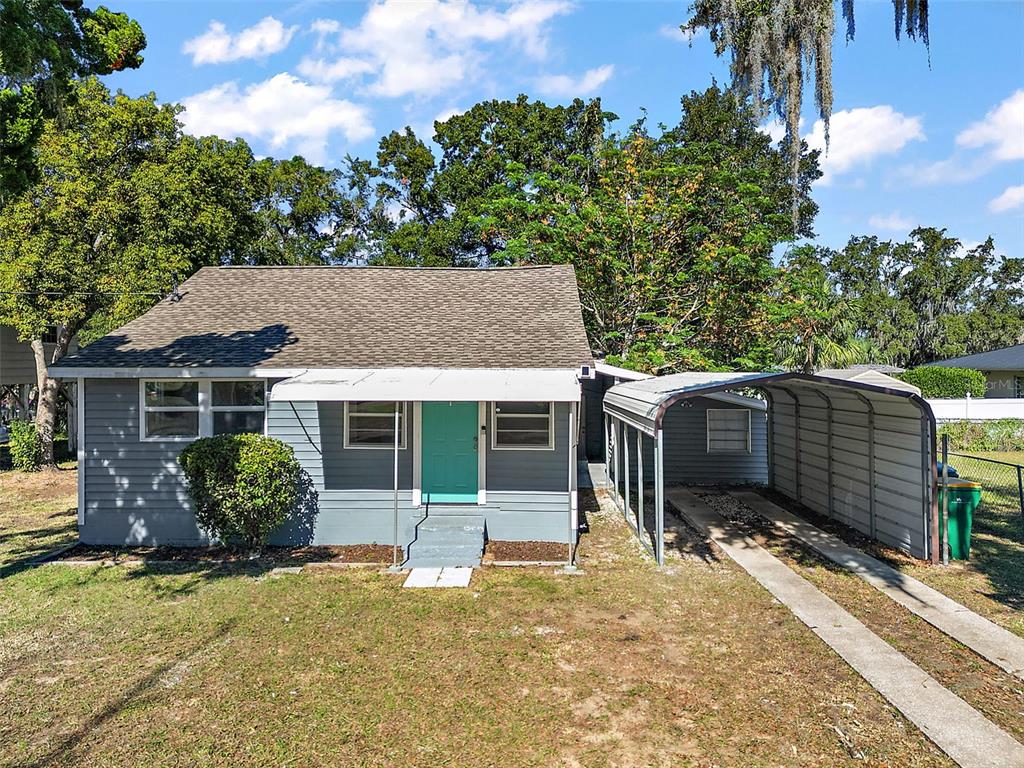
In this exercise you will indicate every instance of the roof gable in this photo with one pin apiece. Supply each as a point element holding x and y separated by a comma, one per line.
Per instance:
<point>1004,359</point>
<point>356,317</point>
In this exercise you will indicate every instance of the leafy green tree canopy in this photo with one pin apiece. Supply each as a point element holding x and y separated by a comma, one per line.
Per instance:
<point>127,203</point>
<point>412,207</point>
<point>929,298</point>
<point>44,46</point>
<point>671,234</point>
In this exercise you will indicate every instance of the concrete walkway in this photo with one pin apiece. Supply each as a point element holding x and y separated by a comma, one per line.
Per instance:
<point>954,726</point>
<point>988,640</point>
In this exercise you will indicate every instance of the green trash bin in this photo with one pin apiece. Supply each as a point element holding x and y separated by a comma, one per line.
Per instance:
<point>964,497</point>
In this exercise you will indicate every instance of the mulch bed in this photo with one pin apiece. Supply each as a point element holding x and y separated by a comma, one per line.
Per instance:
<point>351,553</point>
<point>525,551</point>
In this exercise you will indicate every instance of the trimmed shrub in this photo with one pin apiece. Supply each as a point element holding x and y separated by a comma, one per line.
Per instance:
<point>244,486</point>
<point>25,446</point>
<point>996,435</point>
<point>936,382</point>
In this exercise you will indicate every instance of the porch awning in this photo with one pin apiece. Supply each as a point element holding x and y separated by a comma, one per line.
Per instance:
<point>430,384</point>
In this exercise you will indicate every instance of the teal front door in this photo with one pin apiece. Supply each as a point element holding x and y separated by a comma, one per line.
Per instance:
<point>450,452</point>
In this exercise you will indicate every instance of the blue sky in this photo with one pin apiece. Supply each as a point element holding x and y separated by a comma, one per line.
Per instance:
<point>912,144</point>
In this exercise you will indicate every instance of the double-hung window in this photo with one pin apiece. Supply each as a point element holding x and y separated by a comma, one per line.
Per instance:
<point>523,426</point>
<point>170,409</point>
<point>238,406</point>
<point>185,409</point>
<point>372,424</point>
<point>728,430</point>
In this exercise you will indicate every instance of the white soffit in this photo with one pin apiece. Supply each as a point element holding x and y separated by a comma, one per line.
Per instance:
<point>430,384</point>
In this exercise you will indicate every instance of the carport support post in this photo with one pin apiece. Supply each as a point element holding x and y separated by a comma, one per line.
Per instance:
<point>626,468</point>
<point>659,499</point>
<point>639,482</point>
<point>607,449</point>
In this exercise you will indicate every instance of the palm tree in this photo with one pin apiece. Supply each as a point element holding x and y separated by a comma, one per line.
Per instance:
<point>817,327</point>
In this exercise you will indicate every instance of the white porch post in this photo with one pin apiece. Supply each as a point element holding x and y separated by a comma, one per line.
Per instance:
<point>659,499</point>
<point>80,446</point>
<point>573,522</point>
<point>394,548</point>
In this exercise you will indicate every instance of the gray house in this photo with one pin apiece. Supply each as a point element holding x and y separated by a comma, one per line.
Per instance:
<point>1003,369</point>
<point>445,398</point>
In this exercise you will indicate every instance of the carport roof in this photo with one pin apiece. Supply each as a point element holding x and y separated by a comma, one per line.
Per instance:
<point>643,403</point>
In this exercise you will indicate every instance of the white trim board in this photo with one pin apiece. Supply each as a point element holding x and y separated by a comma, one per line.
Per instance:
<point>211,372</point>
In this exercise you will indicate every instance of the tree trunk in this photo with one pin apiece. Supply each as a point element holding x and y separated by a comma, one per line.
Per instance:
<point>48,395</point>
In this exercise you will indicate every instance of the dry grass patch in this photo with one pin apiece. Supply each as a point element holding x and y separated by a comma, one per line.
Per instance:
<point>624,665</point>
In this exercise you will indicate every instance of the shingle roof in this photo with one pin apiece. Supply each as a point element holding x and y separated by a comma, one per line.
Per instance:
<point>356,317</point>
<point>1005,359</point>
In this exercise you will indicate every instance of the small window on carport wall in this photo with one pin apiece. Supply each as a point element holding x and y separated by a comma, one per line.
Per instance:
<point>728,430</point>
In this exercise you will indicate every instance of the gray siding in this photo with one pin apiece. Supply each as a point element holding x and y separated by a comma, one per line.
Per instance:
<point>134,491</point>
<point>17,363</point>
<point>687,460</point>
<point>1002,383</point>
<point>354,487</point>
<point>136,495</point>
<point>530,488</point>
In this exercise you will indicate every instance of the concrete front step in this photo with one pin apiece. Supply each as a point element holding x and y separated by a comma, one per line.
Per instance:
<point>461,524</point>
<point>447,540</point>
<point>442,562</point>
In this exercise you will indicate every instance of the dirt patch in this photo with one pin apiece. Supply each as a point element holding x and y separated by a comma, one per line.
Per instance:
<point>43,485</point>
<point>352,553</point>
<point>525,551</point>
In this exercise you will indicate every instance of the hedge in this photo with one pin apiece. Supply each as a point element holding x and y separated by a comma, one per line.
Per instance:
<point>244,486</point>
<point>995,435</point>
<point>935,382</point>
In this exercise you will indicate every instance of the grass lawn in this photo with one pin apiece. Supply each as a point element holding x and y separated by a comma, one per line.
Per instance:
<point>624,665</point>
<point>992,581</point>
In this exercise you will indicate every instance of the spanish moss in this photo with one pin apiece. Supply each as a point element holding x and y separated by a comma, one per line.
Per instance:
<point>776,44</point>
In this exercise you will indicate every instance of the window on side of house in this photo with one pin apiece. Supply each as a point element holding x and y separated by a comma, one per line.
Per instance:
<point>170,409</point>
<point>1018,386</point>
<point>728,430</point>
<point>372,425</point>
<point>523,426</point>
<point>238,406</point>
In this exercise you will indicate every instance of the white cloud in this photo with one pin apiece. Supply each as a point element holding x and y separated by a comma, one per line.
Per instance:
<point>217,45</point>
<point>860,135</point>
<point>342,68</point>
<point>776,129</point>
<point>426,48</point>
<point>568,86</point>
<point>892,222</point>
<point>283,111</point>
<point>1002,130</point>
<point>1010,199</point>
<point>676,33</point>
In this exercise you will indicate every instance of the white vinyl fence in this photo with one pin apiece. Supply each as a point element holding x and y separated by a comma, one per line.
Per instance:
<point>977,408</point>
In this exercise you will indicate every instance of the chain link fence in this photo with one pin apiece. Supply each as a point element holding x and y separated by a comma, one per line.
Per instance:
<point>1001,511</point>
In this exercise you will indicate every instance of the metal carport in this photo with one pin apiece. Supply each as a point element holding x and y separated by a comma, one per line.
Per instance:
<point>862,454</point>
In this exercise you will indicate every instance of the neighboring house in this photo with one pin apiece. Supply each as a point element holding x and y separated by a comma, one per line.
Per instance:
<point>1003,369</point>
<point>485,366</point>
<point>18,368</point>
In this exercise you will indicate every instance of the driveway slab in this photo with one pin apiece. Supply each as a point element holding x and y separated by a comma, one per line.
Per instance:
<point>987,639</point>
<point>958,729</point>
